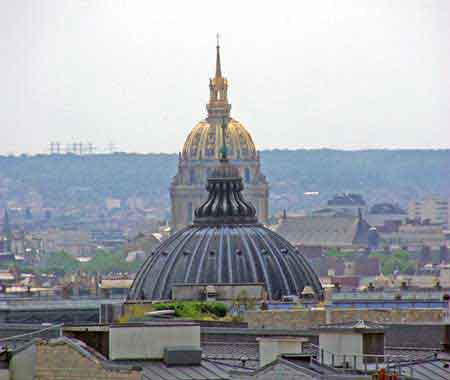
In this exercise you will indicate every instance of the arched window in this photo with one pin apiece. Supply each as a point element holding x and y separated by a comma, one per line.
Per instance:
<point>247,175</point>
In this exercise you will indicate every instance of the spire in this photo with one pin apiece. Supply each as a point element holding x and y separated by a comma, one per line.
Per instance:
<point>218,68</point>
<point>218,106</point>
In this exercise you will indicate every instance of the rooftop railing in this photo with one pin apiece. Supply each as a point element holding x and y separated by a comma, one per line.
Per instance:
<point>361,363</point>
<point>16,341</point>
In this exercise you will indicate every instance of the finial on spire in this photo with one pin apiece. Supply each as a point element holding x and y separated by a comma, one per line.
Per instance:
<point>218,68</point>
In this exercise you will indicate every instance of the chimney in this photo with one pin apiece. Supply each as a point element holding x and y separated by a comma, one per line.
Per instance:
<point>182,355</point>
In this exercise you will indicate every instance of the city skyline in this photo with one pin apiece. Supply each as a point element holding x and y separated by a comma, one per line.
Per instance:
<point>353,76</point>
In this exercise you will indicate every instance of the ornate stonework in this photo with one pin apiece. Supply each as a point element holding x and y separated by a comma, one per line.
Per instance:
<point>201,153</point>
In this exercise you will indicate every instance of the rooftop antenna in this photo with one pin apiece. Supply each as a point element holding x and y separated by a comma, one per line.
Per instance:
<point>90,148</point>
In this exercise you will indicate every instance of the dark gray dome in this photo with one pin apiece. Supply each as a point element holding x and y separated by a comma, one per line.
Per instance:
<point>225,245</point>
<point>225,254</point>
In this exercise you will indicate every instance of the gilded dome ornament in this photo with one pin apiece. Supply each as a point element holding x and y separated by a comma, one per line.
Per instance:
<point>206,139</point>
<point>216,136</point>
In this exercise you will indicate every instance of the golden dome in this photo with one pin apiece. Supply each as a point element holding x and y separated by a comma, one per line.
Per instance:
<point>205,140</point>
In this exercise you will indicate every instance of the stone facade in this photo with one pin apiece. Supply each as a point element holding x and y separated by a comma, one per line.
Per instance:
<point>221,292</point>
<point>59,360</point>
<point>301,319</point>
<point>433,209</point>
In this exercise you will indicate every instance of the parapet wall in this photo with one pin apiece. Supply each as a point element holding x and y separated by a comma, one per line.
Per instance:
<point>300,319</point>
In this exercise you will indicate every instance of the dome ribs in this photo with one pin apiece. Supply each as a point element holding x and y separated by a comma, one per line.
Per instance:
<point>164,291</point>
<point>220,256</point>
<point>308,273</point>
<point>299,267</point>
<point>203,253</point>
<point>278,258</point>
<point>200,240</point>
<point>229,253</point>
<point>257,254</point>
<point>142,275</point>
<point>176,275</point>
<point>250,256</point>
<point>241,254</point>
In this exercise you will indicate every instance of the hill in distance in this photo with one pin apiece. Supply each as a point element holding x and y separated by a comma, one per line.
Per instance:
<point>379,175</point>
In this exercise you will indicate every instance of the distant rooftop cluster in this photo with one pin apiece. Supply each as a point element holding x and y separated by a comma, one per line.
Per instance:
<point>347,199</point>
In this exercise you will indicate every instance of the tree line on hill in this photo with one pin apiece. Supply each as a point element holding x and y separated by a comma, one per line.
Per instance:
<point>379,175</point>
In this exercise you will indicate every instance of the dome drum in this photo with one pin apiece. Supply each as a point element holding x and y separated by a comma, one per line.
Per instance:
<point>197,173</point>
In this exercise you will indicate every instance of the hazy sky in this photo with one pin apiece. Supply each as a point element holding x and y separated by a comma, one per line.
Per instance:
<point>348,74</point>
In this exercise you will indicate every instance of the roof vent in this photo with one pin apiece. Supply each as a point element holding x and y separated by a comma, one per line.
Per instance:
<point>186,253</point>
<point>238,252</point>
<point>183,355</point>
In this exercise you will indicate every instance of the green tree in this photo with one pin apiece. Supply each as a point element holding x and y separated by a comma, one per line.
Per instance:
<point>399,260</point>
<point>58,262</point>
<point>107,262</point>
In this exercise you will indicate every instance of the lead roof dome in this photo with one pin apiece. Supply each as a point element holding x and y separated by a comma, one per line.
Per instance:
<point>225,245</point>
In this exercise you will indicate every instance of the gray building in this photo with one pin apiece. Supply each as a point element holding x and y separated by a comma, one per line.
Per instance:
<point>340,232</point>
